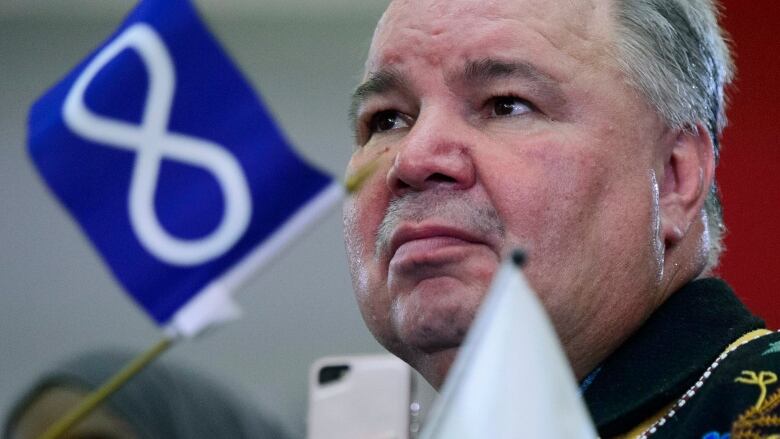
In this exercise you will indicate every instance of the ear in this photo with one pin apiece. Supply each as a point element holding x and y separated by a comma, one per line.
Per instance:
<point>689,170</point>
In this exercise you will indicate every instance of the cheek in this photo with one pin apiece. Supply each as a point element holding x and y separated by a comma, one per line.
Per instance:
<point>361,209</point>
<point>359,245</point>
<point>545,193</point>
<point>586,218</point>
<point>352,237</point>
<point>362,214</point>
<point>585,209</point>
<point>366,275</point>
<point>571,204</point>
<point>355,245</point>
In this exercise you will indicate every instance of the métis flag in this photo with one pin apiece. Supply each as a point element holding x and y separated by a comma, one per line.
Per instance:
<point>172,166</point>
<point>511,378</point>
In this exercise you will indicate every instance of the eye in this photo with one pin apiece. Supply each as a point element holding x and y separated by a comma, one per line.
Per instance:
<point>387,120</point>
<point>504,106</point>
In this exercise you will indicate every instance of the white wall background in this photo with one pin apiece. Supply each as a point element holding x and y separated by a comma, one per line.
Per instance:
<point>57,298</point>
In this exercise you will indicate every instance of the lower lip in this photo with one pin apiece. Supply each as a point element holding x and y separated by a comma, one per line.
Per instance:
<point>429,250</point>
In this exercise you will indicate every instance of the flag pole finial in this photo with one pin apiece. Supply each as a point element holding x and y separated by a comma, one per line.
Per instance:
<point>519,257</point>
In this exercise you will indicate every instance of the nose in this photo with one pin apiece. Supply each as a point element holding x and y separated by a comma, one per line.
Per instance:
<point>436,153</point>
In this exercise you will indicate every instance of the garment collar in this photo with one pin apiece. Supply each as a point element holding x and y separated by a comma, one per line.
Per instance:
<point>666,355</point>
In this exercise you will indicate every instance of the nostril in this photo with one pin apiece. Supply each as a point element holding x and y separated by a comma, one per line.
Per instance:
<point>400,184</point>
<point>441,178</point>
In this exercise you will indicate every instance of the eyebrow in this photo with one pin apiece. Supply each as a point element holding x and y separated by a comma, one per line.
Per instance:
<point>490,69</point>
<point>475,73</point>
<point>378,83</point>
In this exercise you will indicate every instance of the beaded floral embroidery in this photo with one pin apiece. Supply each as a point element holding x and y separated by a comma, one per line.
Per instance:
<point>692,391</point>
<point>753,424</point>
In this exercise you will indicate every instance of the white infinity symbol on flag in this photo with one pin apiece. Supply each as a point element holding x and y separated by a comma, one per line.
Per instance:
<point>152,142</point>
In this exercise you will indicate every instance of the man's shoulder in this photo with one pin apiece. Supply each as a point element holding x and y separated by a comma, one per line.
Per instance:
<point>737,397</point>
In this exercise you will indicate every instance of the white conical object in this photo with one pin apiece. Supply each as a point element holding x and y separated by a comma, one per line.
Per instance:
<point>511,378</point>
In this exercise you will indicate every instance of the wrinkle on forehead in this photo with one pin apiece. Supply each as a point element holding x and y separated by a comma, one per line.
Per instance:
<point>578,28</point>
<point>495,8</point>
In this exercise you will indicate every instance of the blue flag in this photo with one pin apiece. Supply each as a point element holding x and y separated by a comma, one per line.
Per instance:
<point>172,166</point>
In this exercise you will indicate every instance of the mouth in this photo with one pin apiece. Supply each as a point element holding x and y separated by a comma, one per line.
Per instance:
<point>420,241</point>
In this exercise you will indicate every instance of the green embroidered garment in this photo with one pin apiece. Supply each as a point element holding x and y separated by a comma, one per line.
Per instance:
<point>674,365</point>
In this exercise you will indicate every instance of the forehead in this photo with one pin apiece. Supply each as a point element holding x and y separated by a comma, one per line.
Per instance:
<point>441,31</point>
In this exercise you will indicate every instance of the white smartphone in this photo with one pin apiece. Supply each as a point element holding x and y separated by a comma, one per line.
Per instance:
<point>365,397</point>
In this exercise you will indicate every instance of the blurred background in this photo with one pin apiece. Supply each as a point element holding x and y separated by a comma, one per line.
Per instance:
<point>56,296</point>
<point>304,57</point>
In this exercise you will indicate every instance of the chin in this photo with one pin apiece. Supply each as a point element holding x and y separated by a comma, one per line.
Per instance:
<point>429,339</point>
<point>435,366</point>
<point>435,324</point>
<point>433,335</point>
<point>432,363</point>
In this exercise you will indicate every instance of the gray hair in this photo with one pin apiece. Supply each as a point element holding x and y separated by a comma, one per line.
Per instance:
<point>676,55</point>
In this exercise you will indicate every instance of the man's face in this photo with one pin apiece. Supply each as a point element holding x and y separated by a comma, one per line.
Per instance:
<point>498,125</point>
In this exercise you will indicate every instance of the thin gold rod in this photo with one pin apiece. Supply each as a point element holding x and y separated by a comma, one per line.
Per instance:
<point>94,399</point>
<point>355,181</point>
